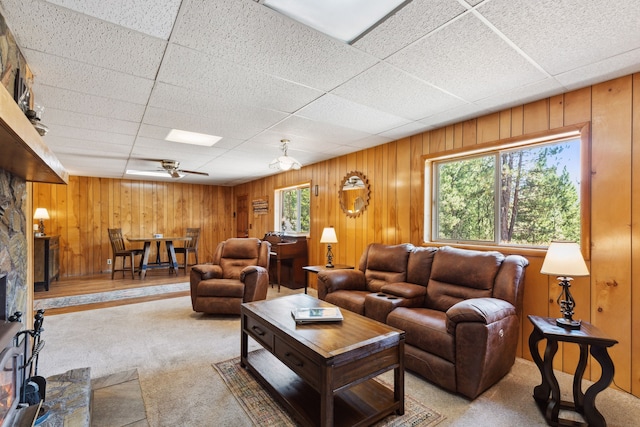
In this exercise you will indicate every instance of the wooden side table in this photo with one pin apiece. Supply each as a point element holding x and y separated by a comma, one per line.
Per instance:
<point>318,268</point>
<point>547,394</point>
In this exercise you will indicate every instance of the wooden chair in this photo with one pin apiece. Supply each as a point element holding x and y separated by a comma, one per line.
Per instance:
<point>190,246</point>
<point>120,251</point>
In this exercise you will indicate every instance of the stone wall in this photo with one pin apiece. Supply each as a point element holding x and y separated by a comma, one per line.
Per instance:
<point>13,241</point>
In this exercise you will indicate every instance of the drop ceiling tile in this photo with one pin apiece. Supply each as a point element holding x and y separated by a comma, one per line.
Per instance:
<point>214,109</point>
<point>412,128</point>
<point>607,69</point>
<point>393,91</point>
<point>342,112</point>
<point>455,115</point>
<point>87,121</point>
<point>252,35</point>
<point>58,31</point>
<point>72,134</point>
<point>272,138</point>
<point>606,28</point>
<point>69,100</point>
<point>155,148</point>
<point>311,129</point>
<point>468,60</point>
<point>412,22</point>
<point>231,82</point>
<point>152,17</point>
<point>521,95</point>
<point>89,79</point>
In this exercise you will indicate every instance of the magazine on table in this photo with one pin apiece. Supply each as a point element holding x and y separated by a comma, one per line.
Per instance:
<point>316,314</point>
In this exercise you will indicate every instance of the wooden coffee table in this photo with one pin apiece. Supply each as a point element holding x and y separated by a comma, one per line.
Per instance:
<point>323,373</point>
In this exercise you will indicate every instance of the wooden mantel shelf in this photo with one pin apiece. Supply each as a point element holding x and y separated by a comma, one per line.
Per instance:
<point>22,150</point>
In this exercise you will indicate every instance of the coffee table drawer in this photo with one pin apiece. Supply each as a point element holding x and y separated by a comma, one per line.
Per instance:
<point>298,363</point>
<point>260,332</point>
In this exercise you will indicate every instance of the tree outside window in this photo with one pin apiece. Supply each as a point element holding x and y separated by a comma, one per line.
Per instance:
<point>525,196</point>
<point>294,209</point>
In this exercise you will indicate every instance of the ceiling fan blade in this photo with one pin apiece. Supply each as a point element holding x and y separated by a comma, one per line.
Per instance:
<point>193,172</point>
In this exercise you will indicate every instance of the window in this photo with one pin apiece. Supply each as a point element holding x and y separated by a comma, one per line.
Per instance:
<point>517,193</point>
<point>293,209</point>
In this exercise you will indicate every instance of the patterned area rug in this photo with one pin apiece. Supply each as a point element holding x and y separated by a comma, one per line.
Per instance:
<point>121,294</point>
<point>265,411</point>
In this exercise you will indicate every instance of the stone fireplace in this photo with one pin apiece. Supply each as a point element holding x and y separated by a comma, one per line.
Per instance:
<point>13,242</point>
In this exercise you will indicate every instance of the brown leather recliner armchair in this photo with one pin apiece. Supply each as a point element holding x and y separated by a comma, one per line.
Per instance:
<point>239,273</point>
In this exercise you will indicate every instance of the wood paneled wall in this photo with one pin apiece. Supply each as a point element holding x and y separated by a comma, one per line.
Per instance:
<point>82,211</point>
<point>609,297</point>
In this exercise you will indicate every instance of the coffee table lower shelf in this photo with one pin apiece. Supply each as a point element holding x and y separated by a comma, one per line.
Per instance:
<point>359,405</point>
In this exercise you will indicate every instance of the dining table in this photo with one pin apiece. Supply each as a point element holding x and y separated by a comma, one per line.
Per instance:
<point>171,263</point>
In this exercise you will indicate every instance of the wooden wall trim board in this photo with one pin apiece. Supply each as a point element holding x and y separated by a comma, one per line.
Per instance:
<point>608,298</point>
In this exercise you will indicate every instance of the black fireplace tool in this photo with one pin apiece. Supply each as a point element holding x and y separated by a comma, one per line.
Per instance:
<point>33,387</point>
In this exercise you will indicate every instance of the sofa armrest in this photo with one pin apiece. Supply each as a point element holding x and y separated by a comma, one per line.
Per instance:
<point>336,280</point>
<point>482,310</point>
<point>405,290</point>
<point>208,271</point>
<point>256,283</point>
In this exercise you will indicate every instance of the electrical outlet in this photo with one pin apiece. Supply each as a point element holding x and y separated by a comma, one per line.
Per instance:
<point>109,261</point>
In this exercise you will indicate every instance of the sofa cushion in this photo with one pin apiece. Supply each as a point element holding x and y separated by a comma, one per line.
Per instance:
<point>459,274</point>
<point>419,265</point>
<point>426,329</point>
<point>221,288</point>
<point>349,300</point>
<point>386,264</point>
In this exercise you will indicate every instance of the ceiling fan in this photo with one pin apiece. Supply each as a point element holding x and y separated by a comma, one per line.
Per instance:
<point>173,168</point>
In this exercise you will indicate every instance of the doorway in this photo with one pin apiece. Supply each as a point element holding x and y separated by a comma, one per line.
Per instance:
<point>242,216</point>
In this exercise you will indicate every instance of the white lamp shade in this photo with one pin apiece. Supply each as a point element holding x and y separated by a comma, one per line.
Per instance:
<point>329,235</point>
<point>564,259</point>
<point>41,213</point>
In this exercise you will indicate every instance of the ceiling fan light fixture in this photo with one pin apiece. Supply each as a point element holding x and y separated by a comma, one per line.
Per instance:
<point>285,162</point>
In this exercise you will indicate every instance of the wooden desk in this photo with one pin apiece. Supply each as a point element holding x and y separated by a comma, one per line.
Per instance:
<point>318,268</point>
<point>288,256</point>
<point>323,373</point>
<point>172,263</point>
<point>46,260</point>
<point>547,394</point>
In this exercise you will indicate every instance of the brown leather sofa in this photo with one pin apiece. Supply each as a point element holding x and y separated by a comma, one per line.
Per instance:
<point>460,308</point>
<point>239,273</point>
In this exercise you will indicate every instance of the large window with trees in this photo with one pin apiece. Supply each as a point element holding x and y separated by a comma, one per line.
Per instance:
<point>293,209</point>
<point>526,192</point>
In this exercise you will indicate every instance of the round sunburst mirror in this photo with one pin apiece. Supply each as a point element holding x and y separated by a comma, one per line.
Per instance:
<point>354,193</point>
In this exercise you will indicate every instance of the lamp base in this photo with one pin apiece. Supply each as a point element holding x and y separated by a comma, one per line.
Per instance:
<point>568,323</point>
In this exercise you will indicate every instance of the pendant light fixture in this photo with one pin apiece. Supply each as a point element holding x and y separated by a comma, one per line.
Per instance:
<point>285,162</point>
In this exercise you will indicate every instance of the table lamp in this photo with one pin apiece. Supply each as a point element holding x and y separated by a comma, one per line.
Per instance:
<point>329,237</point>
<point>41,214</point>
<point>564,259</point>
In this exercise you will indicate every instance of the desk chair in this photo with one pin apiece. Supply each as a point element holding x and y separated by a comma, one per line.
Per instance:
<point>190,246</point>
<point>120,251</point>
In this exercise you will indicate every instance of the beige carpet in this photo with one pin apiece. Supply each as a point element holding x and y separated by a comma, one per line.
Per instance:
<point>263,409</point>
<point>173,349</point>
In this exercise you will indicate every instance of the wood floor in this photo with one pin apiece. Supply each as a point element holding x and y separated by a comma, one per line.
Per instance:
<point>82,285</point>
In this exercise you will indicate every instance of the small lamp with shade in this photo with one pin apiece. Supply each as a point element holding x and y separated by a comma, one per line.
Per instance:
<point>564,259</point>
<point>41,214</point>
<point>329,237</point>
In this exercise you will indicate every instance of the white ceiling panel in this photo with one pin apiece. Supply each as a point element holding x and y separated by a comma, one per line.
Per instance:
<point>231,82</point>
<point>244,32</point>
<point>576,33</point>
<point>70,100</point>
<point>411,23</point>
<point>114,77</point>
<point>467,59</point>
<point>152,17</point>
<point>52,70</point>
<point>342,112</point>
<point>68,34</point>
<point>391,90</point>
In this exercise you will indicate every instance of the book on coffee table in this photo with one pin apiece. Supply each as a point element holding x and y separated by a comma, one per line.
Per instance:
<point>316,314</point>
